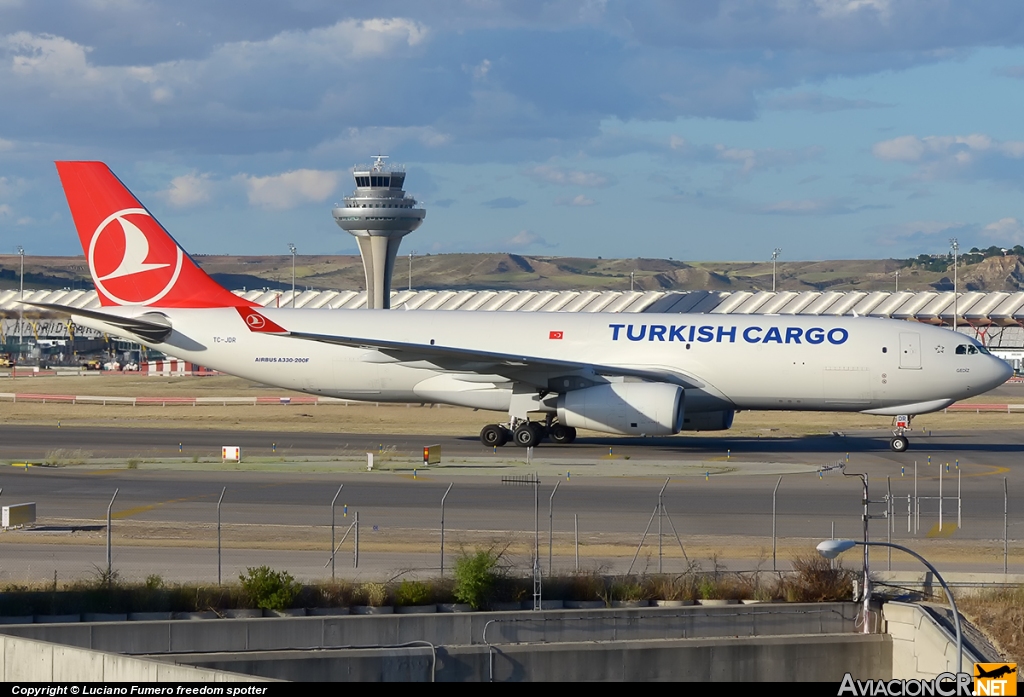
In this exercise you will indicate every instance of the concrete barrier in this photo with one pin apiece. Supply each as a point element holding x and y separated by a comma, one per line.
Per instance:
<point>963,582</point>
<point>448,629</point>
<point>921,648</point>
<point>29,660</point>
<point>821,658</point>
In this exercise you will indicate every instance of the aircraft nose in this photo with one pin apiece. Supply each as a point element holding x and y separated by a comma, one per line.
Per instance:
<point>999,372</point>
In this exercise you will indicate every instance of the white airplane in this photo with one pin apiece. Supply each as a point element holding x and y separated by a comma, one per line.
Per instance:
<point>644,374</point>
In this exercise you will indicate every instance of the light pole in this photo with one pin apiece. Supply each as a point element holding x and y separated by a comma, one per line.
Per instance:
<point>410,268</point>
<point>291,248</point>
<point>956,250</point>
<point>21,298</point>
<point>897,275</point>
<point>631,280</point>
<point>775,255</point>
<point>830,549</point>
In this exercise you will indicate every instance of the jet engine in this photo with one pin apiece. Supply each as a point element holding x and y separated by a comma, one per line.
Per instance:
<point>628,408</point>
<point>709,421</point>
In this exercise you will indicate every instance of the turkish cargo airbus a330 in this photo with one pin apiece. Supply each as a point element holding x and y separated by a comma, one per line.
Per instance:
<point>645,374</point>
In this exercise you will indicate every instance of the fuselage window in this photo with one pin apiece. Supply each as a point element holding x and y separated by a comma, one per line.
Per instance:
<point>885,350</point>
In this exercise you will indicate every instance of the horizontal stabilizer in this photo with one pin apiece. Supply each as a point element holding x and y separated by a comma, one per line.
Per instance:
<point>152,327</point>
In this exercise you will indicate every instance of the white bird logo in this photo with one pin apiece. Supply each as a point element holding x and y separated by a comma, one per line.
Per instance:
<point>136,249</point>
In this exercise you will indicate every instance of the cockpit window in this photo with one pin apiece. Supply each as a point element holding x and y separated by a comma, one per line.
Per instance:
<point>970,349</point>
<point>961,350</point>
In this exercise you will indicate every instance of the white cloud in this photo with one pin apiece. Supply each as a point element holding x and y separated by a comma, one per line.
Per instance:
<point>480,70</point>
<point>580,200</point>
<point>527,238</point>
<point>347,40</point>
<point>568,177</point>
<point>290,189</point>
<point>188,190</point>
<point>977,154</point>
<point>6,145</point>
<point>46,55</point>
<point>14,187</point>
<point>747,159</point>
<point>5,210</point>
<point>1007,230</point>
<point>842,8</point>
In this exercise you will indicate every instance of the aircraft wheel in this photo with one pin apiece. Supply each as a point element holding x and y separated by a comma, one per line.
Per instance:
<point>563,434</point>
<point>526,435</point>
<point>899,444</point>
<point>493,435</point>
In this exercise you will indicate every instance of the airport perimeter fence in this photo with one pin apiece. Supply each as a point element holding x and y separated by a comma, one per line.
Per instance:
<point>211,529</point>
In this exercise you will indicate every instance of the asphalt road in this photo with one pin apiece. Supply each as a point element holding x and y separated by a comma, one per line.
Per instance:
<point>606,496</point>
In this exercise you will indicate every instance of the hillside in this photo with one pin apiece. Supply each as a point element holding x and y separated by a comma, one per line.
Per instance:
<point>513,271</point>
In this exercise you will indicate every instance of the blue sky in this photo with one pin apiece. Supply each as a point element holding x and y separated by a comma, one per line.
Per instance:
<point>698,130</point>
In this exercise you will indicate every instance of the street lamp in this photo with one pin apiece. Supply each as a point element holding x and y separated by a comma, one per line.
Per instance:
<point>291,248</point>
<point>775,255</point>
<point>830,549</point>
<point>956,249</point>
<point>410,268</point>
<point>897,275</point>
<point>21,298</point>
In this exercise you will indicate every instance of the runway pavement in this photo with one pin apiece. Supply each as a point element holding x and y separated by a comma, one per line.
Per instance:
<point>165,511</point>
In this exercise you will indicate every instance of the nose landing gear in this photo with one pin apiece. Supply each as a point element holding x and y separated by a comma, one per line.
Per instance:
<point>899,442</point>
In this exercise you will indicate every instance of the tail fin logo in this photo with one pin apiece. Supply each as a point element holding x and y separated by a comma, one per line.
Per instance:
<point>132,260</point>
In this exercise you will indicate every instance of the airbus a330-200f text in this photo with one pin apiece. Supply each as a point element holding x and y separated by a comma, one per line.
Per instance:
<point>643,374</point>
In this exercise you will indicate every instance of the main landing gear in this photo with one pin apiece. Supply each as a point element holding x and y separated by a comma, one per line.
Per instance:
<point>899,442</point>
<point>526,434</point>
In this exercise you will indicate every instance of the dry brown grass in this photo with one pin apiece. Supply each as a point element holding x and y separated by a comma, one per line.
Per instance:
<point>1000,615</point>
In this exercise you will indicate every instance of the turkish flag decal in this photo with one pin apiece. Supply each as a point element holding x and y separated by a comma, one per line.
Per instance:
<point>555,335</point>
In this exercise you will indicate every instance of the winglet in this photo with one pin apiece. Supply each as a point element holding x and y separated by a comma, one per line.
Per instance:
<point>258,323</point>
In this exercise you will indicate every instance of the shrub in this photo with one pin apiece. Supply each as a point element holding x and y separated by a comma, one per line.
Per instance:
<point>625,588</point>
<point>475,577</point>
<point>817,581</point>
<point>681,587</point>
<point>374,594</point>
<point>413,593</point>
<point>707,589</point>
<point>269,589</point>
<point>154,582</point>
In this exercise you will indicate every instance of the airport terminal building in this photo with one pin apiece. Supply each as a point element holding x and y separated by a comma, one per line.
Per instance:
<point>994,318</point>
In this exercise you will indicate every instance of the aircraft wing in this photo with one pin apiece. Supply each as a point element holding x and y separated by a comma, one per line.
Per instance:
<point>512,365</point>
<point>151,326</point>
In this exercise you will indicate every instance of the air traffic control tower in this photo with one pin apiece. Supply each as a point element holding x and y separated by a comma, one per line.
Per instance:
<point>379,215</point>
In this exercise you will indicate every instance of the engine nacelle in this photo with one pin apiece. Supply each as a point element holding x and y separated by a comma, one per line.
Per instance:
<point>709,421</point>
<point>628,408</point>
